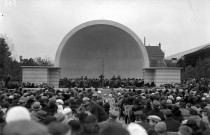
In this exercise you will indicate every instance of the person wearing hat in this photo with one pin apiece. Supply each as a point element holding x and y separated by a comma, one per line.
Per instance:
<point>113,115</point>
<point>171,124</point>
<point>37,113</point>
<point>143,121</point>
<point>160,128</point>
<point>153,120</point>
<point>95,97</point>
<point>156,111</point>
<point>59,103</point>
<point>73,104</point>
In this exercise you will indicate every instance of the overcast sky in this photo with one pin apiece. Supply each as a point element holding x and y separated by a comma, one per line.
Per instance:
<point>36,27</point>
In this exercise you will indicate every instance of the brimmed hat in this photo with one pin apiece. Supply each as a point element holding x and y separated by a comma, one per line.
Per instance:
<point>76,126</point>
<point>194,110</point>
<point>36,106</point>
<point>154,118</point>
<point>156,104</point>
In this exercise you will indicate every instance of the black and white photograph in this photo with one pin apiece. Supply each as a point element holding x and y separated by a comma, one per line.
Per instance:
<point>104,67</point>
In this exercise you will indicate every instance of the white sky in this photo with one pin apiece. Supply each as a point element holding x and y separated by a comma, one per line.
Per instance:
<point>38,26</point>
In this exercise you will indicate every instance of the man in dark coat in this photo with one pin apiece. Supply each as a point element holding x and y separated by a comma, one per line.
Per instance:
<point>156,111</point>
<point>98,111</point>
<point>171,124</point>
<point>111,121</point>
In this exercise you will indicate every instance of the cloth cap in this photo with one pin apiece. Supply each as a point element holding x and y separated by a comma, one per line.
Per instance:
<point>85,99</point>
<point>17,113</point>
<point>136,129</point>
<point>206,109</point>
<point>171,97</point>
<point>194,110</point>
<point>169,101</point>
<point>11,97</point>
<point>113,113</point>
<point>53,99</point>
<point>154,118</point>
<point>168,113</point>
<point>160,127</point>
<point>60,101</point>
<point>72,98</point>
<point>178,98</point>
<point>94,95</point>
<point>32,97</point>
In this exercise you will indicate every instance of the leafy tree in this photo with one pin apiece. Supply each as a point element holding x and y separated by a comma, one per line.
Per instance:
<point>43,62</point>
<point>202,68</point>
<point>189,72</point>
<point>36,62</point>
<point>5,56</point>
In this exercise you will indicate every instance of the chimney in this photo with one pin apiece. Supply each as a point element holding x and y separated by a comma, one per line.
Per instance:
<point>159,45</point>
<point>144,41</point>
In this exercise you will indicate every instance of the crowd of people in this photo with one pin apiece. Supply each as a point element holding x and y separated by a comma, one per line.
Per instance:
<point>114,82</point>
<point>166,111</point>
